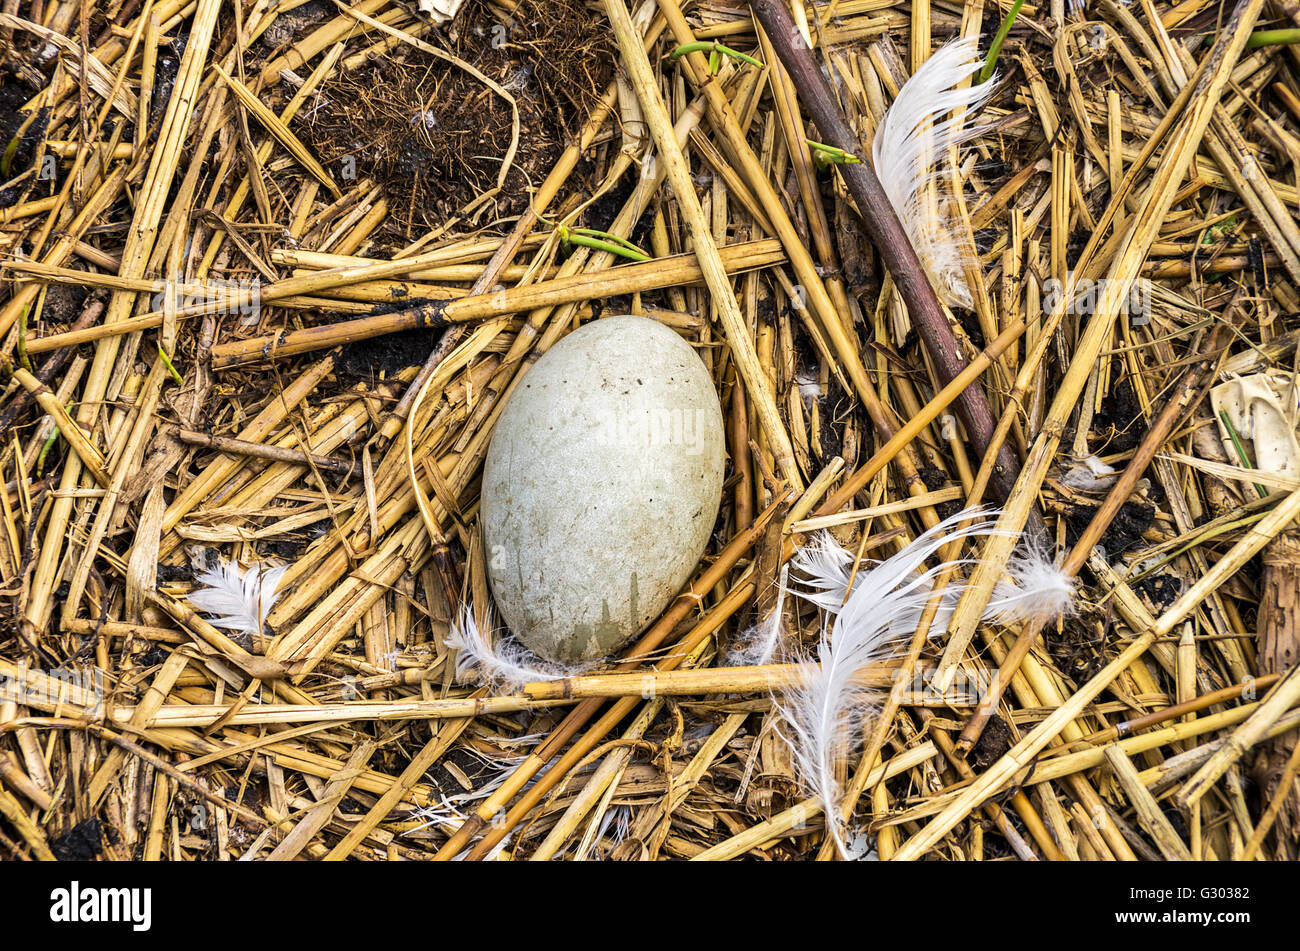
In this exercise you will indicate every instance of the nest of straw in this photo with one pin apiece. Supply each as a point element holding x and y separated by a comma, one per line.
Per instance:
<point>221,338</point>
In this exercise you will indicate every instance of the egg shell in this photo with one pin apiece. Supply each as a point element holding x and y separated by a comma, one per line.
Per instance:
<point>601,487</point>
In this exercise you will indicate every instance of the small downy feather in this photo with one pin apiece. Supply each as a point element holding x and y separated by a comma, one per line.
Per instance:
<point>1037,590</point>
<point>507,663</point>
<point>241,598</point>
<point>827,566</point>
<point>913,142</point>
<point>825,711</point>
<point>758,645</point>
<point>1089,474</point>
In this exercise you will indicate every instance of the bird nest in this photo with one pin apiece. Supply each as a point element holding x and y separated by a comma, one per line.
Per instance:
<point>269,274</point>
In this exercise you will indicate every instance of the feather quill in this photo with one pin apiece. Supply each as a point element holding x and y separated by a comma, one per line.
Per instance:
<point>912,142</point>
<point>506,663</point>
<point>240,598</point>
<point>825,710</point>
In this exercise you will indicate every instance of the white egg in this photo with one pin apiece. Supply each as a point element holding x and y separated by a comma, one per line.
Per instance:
<point>601,487</point>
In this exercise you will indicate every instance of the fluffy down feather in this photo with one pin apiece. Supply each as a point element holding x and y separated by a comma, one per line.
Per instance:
<point>506,663</point>
<point>824,712</point>
<point>758,644</point>
<point>241,598</point>
<point>913,142</point>
<point>1036,590</point>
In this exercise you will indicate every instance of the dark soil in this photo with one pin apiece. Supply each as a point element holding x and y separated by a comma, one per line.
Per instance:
<point>63,303</point>
<point>83,842</point>
<point>165,73</point>
<point>434,136</point>
<point>12,97</point>
<point>368,359</point>
<point>1124,533</point>
<point>1076,649</point>
<point>1120,424</point>
<point>1160,590</point>
<point>600,214</point>
<point>992,744</point>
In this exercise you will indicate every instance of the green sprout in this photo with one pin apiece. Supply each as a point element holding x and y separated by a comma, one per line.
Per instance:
<point>995,50</point>
<point>45,451</point>
<point>600,241</point>
<point>1241,450</point>
<point>825,155</point>
<point>175,376</point>
<point>49,444</point>
<point>6,160</point>
<point>1272,38</point>
<point>716,51</point>
<point>1221,231</point>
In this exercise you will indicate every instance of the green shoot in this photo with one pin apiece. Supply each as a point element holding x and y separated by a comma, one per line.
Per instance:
<point>1241,450</point>
<point>716,51</point>
<point>1272,38</point>
<point>601,241</point>
<point>45,451</point>
<point>825,155</point>
<point>175,376</point>
<point>995,50</point>
<point>6,160</point>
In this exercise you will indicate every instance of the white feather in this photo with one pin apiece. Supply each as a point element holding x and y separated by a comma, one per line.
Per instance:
<point>617,822</point>
<point>825,711</point>
<point>1034,589</point>
<point>912,142</point>
<point>506,663</point>
<point>758,644</point>
<point>828,566</point>
<point>241,598</point>
<point>1089,474</point>
<point>1037,590</point>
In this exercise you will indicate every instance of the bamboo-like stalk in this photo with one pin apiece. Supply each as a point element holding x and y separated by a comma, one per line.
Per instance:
<point>695,682</point>
<point>242,447</point>
<point>628,279</point>
<point>798,815</point>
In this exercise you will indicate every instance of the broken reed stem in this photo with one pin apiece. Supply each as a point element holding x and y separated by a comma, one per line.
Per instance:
<point>532,696</point>
<point>628,279</point>
<point>242,447</point>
